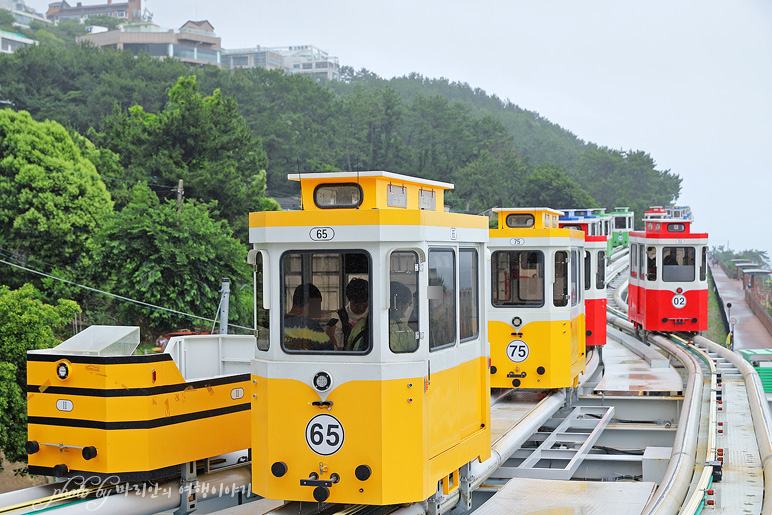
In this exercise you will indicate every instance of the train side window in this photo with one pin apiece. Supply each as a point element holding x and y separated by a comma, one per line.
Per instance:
<point>678,264</point>
<point>642,261</point>
<point>587,269</point>
<point>634,259</point>
<point>576,290</point>
<point>704,264</point>
<point>560,286</point>
<point>600,277</point>
<point>442,298</point>
<point>315,306</point>
<point>262,320</point>
<point>403,301</point>
<point>468,294</point>
<point>651,263</point>
<point>518,278</point>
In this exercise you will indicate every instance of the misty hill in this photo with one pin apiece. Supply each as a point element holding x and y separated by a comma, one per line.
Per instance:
<point>492,150</point>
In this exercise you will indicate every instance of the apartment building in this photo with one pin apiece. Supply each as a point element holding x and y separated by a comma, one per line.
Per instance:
<point>131,10</point>
<point>194,43</point>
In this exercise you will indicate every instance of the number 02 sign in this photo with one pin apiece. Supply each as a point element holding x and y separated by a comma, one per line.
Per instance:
<point>324,435</point>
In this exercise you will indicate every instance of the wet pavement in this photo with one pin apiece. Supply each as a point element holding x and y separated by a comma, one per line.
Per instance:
<point>749,333</point>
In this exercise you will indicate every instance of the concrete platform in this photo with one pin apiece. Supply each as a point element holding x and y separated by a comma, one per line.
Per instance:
<point>512,409</point>
<point>628,374</point>
<point>749,333</point>
<point>542,496</point>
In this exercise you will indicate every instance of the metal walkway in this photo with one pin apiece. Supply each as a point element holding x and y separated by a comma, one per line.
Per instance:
<point>749,333</point>
<point>570,442</point>
<point>741,489</point>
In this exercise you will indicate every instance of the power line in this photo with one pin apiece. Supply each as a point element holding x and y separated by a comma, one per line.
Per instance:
<point>119,297</point>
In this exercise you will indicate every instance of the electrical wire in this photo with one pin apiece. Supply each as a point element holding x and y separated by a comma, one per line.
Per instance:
<point>119,297</point>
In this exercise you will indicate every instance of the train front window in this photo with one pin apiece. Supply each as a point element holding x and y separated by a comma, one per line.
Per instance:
<point>678,264</point>
<point>518,278</point>
<point>325,302</point>
<point>620,222</point>
<point>403,301</point>
<point>560,285</point>
<point>442,298</point>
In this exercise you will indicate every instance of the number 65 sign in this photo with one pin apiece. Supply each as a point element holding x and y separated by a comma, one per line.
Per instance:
<point>324,434</point>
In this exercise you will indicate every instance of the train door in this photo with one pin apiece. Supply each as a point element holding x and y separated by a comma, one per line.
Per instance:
<point>444,380</point>
<point>634,287</point>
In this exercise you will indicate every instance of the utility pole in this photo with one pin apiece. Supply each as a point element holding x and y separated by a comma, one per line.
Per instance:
<point>225,293</point>
<point>180,191</point>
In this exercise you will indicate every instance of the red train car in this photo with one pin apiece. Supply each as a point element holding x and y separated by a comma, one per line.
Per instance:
<point>596,244</point>
<point>668,288</point>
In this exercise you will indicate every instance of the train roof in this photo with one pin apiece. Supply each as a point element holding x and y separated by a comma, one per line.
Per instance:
<point>529,217</point>
<point>354,176</point>
<point>369,190</point>
<point>527,210</point>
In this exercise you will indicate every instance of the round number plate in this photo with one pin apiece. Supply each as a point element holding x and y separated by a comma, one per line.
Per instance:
<point>321,233</point>
<point>324,435</point>
<point>679,301</point>
<point>517,351</point>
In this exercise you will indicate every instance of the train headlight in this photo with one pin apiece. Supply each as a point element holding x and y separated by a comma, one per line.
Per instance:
<point>517,321</point>
<point>62,371</point>
<point>322,381</point>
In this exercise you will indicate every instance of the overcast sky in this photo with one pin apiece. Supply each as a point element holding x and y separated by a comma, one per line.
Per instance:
<point>689,82</point>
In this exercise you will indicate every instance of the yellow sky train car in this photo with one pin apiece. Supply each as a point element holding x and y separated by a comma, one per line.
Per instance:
<point>99,413</point>
<point>372,384</point>
<point>536,325</point>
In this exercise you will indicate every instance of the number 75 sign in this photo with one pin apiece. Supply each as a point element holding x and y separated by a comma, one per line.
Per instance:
<point>517,351</point>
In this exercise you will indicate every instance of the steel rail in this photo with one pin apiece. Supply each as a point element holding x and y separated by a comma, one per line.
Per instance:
<point>675,484</point>
<point>696,500</point>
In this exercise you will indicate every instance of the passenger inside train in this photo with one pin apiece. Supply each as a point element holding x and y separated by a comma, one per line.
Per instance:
<point>337,315</point>
<point>401,336</point>
<point>345,329</point>
<point>302,330</point>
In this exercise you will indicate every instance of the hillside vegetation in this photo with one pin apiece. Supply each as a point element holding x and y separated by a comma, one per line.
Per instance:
<point>124,130</point>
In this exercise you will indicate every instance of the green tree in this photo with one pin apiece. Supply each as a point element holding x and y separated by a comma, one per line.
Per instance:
<point>52,199</point>
<point>26,323</point>
<point>102,20</point>
<point>548,186</point>
<point>202,140</point>
<point>156,253</point>
<point>6,21</point>
<point>626,179</point>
